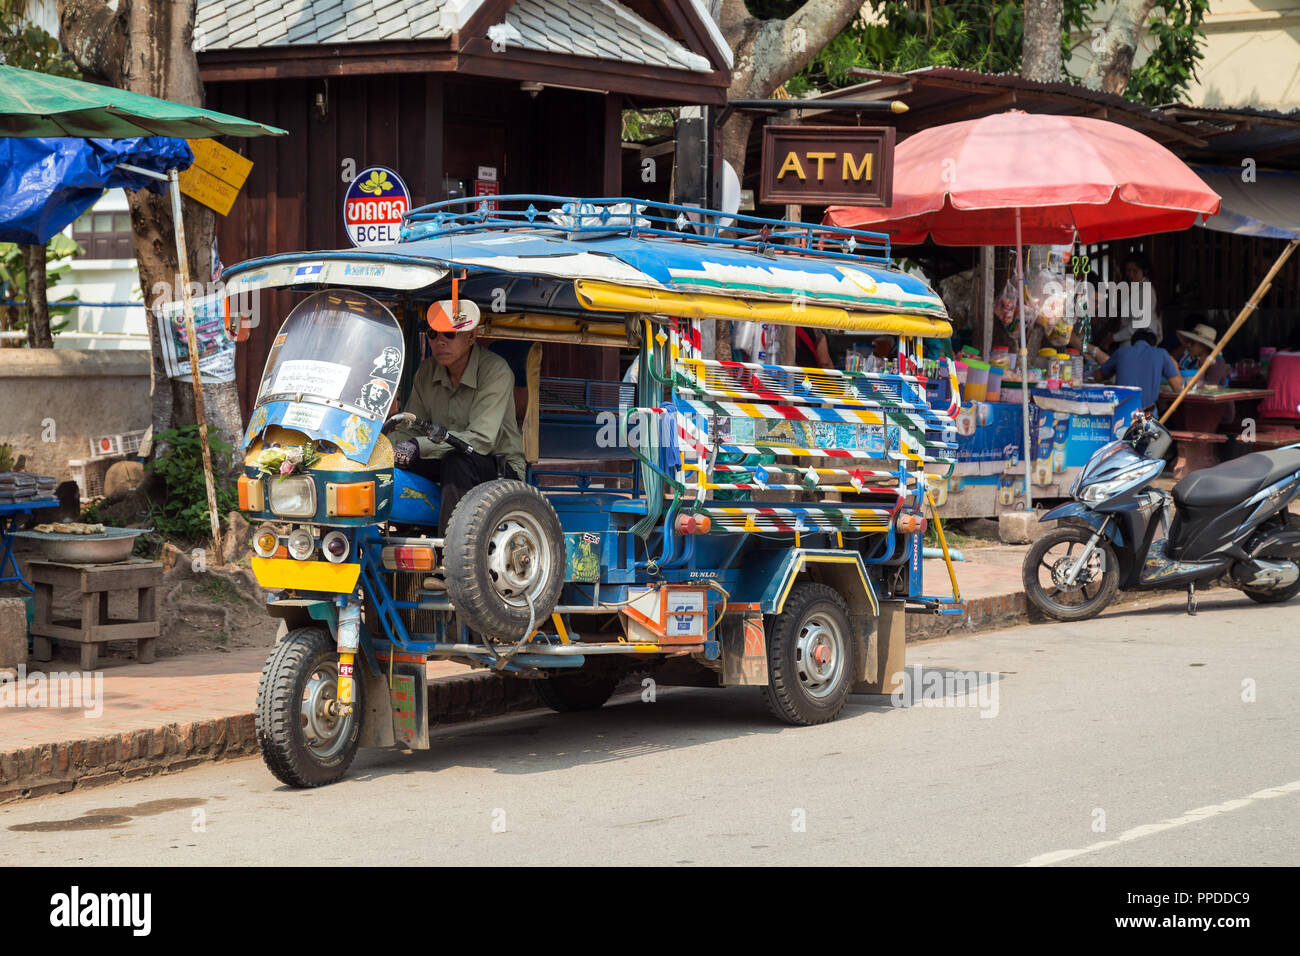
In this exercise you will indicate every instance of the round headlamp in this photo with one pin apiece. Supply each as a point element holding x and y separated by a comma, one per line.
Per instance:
<point>301,543</point>
<point>335,546</point>
<point>265,541</point>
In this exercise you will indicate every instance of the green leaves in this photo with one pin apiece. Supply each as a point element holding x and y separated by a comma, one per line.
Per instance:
<point>184,513</point>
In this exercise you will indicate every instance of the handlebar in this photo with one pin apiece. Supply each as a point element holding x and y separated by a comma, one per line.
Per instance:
<point>433,431</point>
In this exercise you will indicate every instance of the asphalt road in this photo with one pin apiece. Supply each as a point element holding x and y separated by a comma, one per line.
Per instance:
<point>1144,737</point>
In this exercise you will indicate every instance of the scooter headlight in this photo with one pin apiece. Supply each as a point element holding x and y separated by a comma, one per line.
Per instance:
<point>301,543</point>
<point>335,546</point>
<point>265,541</point>
<point>1101,490</point>
<point>293,497</point>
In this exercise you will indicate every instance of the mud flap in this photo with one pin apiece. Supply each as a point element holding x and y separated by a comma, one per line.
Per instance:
<point>399,718</point>
<point>410,703</point>
<point>890,652</point>
<point>744,650</point>
<point>377,716</point>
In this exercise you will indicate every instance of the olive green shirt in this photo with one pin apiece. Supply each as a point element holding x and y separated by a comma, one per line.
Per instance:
<point>480,410</point>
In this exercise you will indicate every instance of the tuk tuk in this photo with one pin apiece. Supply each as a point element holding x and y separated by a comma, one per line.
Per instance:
<point>704,522</point>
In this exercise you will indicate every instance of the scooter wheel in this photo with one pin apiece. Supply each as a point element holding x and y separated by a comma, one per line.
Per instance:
<point>1043,575</point>
<point>1274,597</point>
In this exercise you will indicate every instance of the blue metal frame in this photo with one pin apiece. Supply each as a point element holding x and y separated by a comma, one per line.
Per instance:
<point>16,511</point>
<point>666,220</point>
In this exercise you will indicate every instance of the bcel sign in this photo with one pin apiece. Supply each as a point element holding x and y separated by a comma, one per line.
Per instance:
<point>373,207</point>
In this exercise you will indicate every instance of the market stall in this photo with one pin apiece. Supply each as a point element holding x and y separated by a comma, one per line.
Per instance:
<point>1019,178</point>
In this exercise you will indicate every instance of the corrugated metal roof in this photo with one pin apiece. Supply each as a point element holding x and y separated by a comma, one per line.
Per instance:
<point>602,29</point>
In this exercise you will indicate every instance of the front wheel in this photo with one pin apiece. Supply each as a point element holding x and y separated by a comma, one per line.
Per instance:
<point>303,744</point>
<point>1046,567</point>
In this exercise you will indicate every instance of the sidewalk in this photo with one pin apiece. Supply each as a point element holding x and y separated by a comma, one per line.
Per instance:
<point>179,712</point>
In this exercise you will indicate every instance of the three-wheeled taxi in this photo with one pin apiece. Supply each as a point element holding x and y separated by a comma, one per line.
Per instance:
<point>706,522</point>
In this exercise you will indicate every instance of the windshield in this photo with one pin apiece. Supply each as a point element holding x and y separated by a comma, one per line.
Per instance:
<point>338,348</point>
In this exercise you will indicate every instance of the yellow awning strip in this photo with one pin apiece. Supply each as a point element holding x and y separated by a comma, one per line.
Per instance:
<point>611,297</point>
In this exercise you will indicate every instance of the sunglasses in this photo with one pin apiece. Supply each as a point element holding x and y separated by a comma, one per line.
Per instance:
<point>434,334</point>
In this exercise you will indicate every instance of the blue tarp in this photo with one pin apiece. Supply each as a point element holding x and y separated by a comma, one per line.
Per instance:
<point>47,183</point>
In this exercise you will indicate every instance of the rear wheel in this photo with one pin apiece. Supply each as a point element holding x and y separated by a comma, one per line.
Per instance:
<point>565,693</point>
<point>1274,597</point>
<point>302,742</point>
<point>1046,567</point>
<point>809,656</point>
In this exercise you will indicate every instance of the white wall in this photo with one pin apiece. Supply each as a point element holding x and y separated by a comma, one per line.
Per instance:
<point>1250,54</point>
<point>103,280</point>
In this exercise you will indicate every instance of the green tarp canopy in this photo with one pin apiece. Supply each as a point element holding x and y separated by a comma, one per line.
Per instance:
<point>35,104</point>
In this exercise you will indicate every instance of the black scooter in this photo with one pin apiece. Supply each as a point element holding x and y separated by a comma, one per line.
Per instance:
<point>1230,527</point>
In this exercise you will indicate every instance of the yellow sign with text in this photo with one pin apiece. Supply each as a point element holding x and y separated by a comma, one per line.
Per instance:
<point>217,175</point>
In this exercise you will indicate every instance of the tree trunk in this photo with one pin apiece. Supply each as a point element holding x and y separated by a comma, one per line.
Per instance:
<point>1114,50</point>
<point>38,308</point>
<point>766,54</point>
<point>146,46</point>
<point>1041,51</point>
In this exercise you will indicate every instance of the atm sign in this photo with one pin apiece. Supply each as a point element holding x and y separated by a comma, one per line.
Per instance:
<point>819,165</point>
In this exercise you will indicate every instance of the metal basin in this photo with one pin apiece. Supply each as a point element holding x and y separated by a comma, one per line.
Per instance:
<point>109,547</point>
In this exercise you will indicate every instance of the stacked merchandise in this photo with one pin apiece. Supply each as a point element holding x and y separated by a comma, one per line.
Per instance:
<point>19,486</point>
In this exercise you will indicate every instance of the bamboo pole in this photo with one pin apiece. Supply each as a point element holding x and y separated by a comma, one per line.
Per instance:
<point>1251,304</point>
<point>200,413</point>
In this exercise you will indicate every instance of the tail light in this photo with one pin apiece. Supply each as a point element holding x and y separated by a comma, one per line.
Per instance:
<point>909,522</point>
<point>403,558</point>
<point>693,524</point>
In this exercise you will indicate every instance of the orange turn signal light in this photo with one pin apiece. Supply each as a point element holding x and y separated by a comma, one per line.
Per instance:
<point>252,494</point>
<point>349,499</point>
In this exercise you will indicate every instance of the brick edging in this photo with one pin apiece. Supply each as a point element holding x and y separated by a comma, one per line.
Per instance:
<point>45,769</point>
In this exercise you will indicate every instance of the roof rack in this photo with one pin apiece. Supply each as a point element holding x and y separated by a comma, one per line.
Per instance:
<point>594,218</point>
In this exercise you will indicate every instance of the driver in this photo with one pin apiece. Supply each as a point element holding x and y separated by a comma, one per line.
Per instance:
<point>470,390</point>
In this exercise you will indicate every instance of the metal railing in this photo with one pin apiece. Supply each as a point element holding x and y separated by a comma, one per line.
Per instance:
<point>592,218</point>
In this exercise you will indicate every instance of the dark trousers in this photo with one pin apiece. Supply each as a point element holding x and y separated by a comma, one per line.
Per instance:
<point>456,473</point>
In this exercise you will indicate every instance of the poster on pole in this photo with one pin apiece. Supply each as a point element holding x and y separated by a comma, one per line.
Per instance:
<point>216,348</point>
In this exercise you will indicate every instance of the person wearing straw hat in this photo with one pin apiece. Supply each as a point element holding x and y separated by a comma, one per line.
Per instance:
<point>1200,341</point>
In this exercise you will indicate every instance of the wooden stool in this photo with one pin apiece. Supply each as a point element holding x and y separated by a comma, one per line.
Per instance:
<point>95,626</point>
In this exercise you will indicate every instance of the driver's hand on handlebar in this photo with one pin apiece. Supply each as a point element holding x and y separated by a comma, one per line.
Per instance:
<point>405,452</point>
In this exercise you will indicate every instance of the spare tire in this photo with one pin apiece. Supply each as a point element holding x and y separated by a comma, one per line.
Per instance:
<point>504,547</point>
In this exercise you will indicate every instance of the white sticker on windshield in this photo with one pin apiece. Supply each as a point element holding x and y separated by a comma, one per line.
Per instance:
<point>323,379</point>
<point>307,417</point>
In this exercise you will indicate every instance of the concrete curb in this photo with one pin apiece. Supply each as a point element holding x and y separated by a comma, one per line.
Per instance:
<point>95,761</point>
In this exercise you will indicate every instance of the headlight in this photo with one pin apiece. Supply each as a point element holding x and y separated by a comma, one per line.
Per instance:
<point>294,497</point>
<point>335,546</point>
<point>301,543</point>
<point>1091,494</point>
<point>265,541</point>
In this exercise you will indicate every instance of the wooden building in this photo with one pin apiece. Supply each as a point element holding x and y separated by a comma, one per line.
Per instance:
<point>435,89</point>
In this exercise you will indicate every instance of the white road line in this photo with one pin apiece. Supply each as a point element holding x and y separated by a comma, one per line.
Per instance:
<point>1191,816</point>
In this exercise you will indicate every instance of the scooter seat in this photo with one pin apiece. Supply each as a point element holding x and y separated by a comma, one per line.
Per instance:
<point>1234,481</point>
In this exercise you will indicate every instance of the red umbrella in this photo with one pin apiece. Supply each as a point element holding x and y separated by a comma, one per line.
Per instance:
<point>963,183</point>
<point>1017,177</point>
